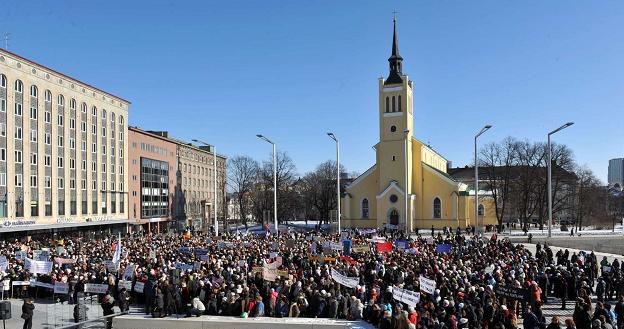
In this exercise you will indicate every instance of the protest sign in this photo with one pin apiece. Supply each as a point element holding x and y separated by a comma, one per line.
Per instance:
<point>430,240</point>
<point>95,288</point>
<point>512,292</point>
<point>256,269</point>
<point>63,261</point>
<point>408,297</point>
<point>110,265</point>
<point>361,248</point>
<point>605,269</point>
<point>4,263</point>
<point>21,255</point>
<point>200,251</point>
<point>196,265</point>
<point>273,254</point>
<point>20,283</point>
<point>128,274</point>
<point>139,287</point>
<point>38,267</point>
<point>350,282</point>
<point>269,274</point>
<point>125,284</point>
<point>384,246</point>
<point>346,245</point>
<point>203,258</point>
<point>184,267</point>
<point>442,248</point>
<point>35,283</point>
<point>401,244</point>
<point>61,288</point>
<point>41,255</point>
<point>185,250</point>
<point>427,285</point>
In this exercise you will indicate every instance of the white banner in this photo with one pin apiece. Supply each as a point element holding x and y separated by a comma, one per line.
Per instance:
<point>139,287</point>
<point>408,297</point>
<point>20,283</point>
<point>41,255</point>
<point>6,285</point>
<point>21,255</point>
<point>4,263</point>
<point>61,288</point>
<point>269,273</point>
<point>38,266</point>
<point>96,288</point>
<point>129,272</point>
<point>427,285</point>
<point>125,284</point>
<point>41,284</point>
<point>346,281</point>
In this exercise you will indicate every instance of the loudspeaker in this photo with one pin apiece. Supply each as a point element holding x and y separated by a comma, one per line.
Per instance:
<point>5,310</point>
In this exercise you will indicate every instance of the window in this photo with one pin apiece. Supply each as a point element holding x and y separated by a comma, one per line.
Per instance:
<point>33,135</point>
<point>365,208</point>
<point>47,139</point>
<point>33,113</point>
<point>2,154</point>
<point>94,166</point>
<point>18,156</point>
<point>47,160</point>
<point>93,129</point>
<point>393,104</point>
<point>2,105</point>
<point>72,123</point>
<point>94,111</point>
<point>72,104</point>
<point>18,109</point>
<point>84,165</point>
<point>18,180</point>
<point>103,186</point>
<point>60,119</point>
<point>3,129</point>
<point>83,184</point>
<point>2,179</point>
<point>61,207</point>
<point>83,108</point>
<point>48,182</point>
<point>83,127</point>
<point>60,141</point>
<point>18,132</point>
<point>3,81</point>
<point>19,87</point>
<point>94,187</point>
<point>33,91</point>
<point>47,96</point>
<point>33,158</point>
<point>481,210</point>
<point>387,104</point>
<point>72,184</point>
<point>103,167</point>
<point>72,163</point>
<point>83,146</point>
<point>47,116</point>
<point>61,100</point>
<point>400,103</point>
<point>103,131</point>
<point>33,181</point>
<point>61,182</point>
<point>72,143</point>
<point>103,114</point>
<point>59,162</point>
<point>437,208</point>
<point>121,120</point>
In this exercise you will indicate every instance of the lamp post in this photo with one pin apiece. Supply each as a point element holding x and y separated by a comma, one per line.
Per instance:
<point>550,177</point>
<point>214,170</point>
<point>274,181</point>
<point>476,163</point>
<point>332,136</point>
<point>407,221</point>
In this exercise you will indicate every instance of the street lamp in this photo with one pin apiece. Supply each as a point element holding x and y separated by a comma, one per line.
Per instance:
<point>407,221</point>
<point>214,169</point>
<point>476,162</point>
<point>332,136</point>
<point>274,181</point>
<point>550,177</point>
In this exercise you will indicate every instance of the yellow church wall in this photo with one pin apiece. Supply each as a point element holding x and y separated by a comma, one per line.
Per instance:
<point>490,211</point>
<point>363,187</point>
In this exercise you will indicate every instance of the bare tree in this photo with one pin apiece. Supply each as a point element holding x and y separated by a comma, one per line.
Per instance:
<point>588,199</point>
<point>497,161</point>
<point>242,176</point>
<point>286,179</point>
<point>320,190</point>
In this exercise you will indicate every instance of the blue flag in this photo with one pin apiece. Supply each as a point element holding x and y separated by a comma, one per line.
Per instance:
<point>443,247</point>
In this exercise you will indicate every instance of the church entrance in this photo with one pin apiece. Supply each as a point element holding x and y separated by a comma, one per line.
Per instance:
<point>393,217</point>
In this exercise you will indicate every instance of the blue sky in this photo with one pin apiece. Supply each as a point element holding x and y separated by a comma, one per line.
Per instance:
<point>293,70</point>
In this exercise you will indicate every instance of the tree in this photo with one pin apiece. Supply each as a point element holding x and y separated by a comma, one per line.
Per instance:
<point>242,176</point>
<point>589,196</point>
<point>498,160</point>
<point>320,190</point>
<point>263,191</point>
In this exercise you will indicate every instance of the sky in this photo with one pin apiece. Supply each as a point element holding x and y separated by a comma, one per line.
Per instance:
<point>294,70</point>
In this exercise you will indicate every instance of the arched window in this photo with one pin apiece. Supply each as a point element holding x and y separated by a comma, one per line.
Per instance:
<point>47,96</point>
<point>365,208</point>
<point>437,208</point>
<point>387,104</point>
<point>104,114</point>
<point>481,210</point>
<point>19,87</point>
<point>393,217</point>
<point>400,109</point>
<point>72,104</point>
<point>2,81</point>
<point>393,104</point>
<point>61,100</point>
<point>94,111</point>
<point>121,120</point>
<point>33,91</point>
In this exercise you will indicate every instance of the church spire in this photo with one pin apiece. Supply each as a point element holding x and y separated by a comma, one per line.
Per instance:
<point>395,60</point>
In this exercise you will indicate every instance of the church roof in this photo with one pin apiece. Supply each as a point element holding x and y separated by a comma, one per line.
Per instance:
<point>395,61</point>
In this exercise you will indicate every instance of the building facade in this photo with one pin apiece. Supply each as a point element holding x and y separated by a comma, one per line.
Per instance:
<point>616,173</point>
<point>408,185</point>
<point>152,178</point>
<point>63,150</point>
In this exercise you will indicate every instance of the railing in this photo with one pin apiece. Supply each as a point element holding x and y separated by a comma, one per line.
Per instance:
<point>84,324</point>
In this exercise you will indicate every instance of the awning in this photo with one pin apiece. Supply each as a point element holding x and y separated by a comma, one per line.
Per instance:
<point>35,227</point>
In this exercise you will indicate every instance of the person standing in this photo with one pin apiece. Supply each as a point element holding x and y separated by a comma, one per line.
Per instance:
<point>27,313</point>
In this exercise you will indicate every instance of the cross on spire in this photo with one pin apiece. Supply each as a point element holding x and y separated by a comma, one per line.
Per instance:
<point>395,60</point>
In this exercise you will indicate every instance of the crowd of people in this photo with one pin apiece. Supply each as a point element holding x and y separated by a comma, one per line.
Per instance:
<point>479,283</point>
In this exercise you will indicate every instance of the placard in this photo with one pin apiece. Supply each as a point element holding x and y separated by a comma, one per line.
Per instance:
<point>21,255</point>
<point>63,261</point>
<point>125,284</point>
<point>269,274</point>
<point>139,287</point>
<point>6,285</point>
<point>512,292</point>
<point>361,248</point>
<point>41,255</point>
<point>61,288</point>
<point>4,263</point>
<point>427,285</point>
<point>408,297</point>
<point>96,288</point>
<point>350,282</point>
<point>20,283</point>
<point>128,274</point>
<point>38,267</point>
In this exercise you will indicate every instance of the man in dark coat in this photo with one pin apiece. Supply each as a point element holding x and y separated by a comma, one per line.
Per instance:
<point>27,313</point>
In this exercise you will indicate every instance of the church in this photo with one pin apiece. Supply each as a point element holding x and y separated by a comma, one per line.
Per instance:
<point>409,184</point>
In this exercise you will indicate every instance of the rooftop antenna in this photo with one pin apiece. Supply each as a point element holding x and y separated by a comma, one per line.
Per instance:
<point>6,41</point>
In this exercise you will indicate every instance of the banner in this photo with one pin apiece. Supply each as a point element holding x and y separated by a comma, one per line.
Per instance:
<point>37,266</point>
<point>350,282</point>
<point>184,250</point>
<point>427,285</point>
<point>384,246</point>
<point>282,273</point>
<point>61,288</point>
<point>361,248</point>
<point>139,287</point>
<point>41,284</point>
<point>401,244</point>
<point>200,251</point>
<point>20,283</point>
<point>110,265</point>
<point>125,284</point>
<point>225,245</point>
<point>442,248</point>
<point>605,268</point>
<point>63,261</point>
<point>269,274</point>
<point>184,267</point>
<point>96,288</point>
<point>408,297</point>
<point>203,258</point>
<point>41,255</point>
<point>21,255</point>
<point>4,263</point>
<point>6,285</point>
<point>128,274</point>
<point>512,292</point>
<point>256,269</point>
<point>430,240</point>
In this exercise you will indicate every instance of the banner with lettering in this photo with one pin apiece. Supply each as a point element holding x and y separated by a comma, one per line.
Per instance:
<point>21,255</point>
<point>269,274</point>
<point>427,285</point>
<point>139,287</point>
<point>512,292</point>
<point>350,282</point>
<point>4,263</point>
<point>408,297</point>
<point>37,266</point>
<point>95,288</point>
<point>128,274</point>
<point>361,248</point>
<point>63,261</point>
<point>61,288</point>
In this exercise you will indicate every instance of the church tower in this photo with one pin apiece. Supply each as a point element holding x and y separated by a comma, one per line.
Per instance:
<point>396,125</point>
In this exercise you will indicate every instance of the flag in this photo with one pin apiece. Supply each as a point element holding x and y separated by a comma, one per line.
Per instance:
<point>384,246</point>
<point>443,248</point>
<point>117,254</point>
